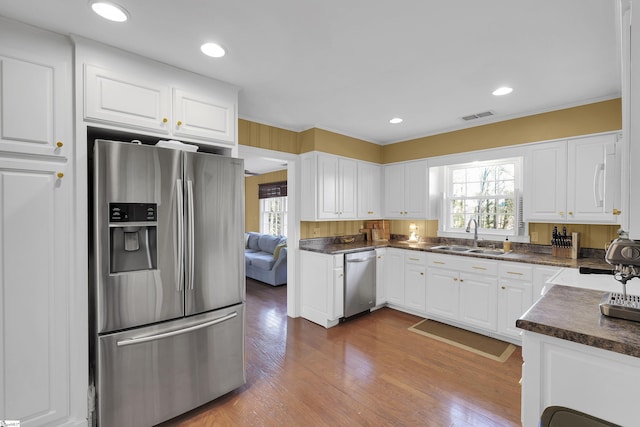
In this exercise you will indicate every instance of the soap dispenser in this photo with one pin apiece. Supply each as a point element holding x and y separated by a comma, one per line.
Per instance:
<point>507,245</point>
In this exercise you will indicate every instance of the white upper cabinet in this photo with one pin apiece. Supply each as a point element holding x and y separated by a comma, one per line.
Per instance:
<point>200,116</point>
<point>593,180</point>
<point>573,181</point>
<point>35,94</point>
<point>545,185</point>
<point>133,100</point>
<point>329,187</point>
<point>121,99</point>
<point>369,190</point>
<point>406,190</point>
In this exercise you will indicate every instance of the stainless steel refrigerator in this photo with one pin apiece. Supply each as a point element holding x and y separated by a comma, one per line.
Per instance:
<point>167,291</point>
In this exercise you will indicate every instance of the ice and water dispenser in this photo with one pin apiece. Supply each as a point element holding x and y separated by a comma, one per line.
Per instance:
<point>133,237</point>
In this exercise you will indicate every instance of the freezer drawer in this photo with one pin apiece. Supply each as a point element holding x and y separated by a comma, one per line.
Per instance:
<point>151,374</point>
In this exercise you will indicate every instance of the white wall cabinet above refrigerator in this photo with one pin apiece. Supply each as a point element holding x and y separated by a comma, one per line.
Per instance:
<point>159,105</point>
<point>574,181</point>
<point>329,187</point>
<point>406,190</point>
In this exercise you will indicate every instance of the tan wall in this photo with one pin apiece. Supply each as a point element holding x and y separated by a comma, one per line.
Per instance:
<point>341,145</point>
<point>591,236</point>
<point>271,138</point>
<point>252,203</point>
<point>592,118</point>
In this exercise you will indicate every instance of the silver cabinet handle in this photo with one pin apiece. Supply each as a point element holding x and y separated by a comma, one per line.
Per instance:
<point>191,236</point>
<point>180,216</point>
<point>143,339</point>
<point>597,185</point>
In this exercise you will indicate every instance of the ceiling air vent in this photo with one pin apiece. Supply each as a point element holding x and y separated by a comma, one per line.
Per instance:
<point>478,115</point>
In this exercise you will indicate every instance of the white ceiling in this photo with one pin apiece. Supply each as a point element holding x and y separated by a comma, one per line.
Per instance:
<point>350,66</point>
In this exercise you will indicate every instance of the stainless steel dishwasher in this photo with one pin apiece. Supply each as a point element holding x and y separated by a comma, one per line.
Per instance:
<point>359,282</point>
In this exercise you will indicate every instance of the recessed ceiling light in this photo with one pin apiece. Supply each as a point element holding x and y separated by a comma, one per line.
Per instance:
<point>110,11</point>
<point>504,90</point>
<point>213,50</point>
<point>395,120</point>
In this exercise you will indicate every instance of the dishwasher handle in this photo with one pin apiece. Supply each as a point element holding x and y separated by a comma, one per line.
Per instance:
<point>359,259</point>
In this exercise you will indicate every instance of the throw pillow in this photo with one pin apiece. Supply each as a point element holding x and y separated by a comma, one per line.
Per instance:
<point>276,251</point>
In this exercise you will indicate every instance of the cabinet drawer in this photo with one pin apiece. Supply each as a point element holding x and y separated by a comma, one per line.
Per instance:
<point>442,261</point>
<point>477,266</point>
<point>416,257</point>
<point>512,270</point>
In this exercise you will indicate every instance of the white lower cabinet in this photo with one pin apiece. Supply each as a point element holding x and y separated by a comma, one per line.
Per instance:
<point>322,287</point>
<point>442,292</point>
<point>463,290</point>
<point>514,296</point>
<point>592,380</point>
<point>415,280</point>
<point>35,226</point>
<point>478,301</point>
<point>381,259</point>
<point>394,276</point>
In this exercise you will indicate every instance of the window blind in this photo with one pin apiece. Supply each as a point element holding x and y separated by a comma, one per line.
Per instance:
<point>272,189</point>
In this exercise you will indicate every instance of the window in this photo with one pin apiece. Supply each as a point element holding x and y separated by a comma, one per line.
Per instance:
<point>273,208</point>
<point>486,192</point>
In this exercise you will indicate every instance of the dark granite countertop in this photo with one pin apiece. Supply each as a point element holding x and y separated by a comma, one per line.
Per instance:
<point>333,246</point>
<point>573,314</point>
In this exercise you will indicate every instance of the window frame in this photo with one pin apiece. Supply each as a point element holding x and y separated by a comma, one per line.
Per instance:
<point>264,214</point>
<point>519,228</point>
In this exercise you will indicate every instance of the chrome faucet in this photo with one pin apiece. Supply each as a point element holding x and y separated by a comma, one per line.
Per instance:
<point>475,231</point>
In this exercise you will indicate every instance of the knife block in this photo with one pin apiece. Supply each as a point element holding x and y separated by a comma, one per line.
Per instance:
<point>570,251</point>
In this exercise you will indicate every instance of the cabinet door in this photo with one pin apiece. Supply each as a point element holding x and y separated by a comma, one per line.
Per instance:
<point>394,276</point>
<point>34,95</point>
<point>34,284</point>
<point>394,191</point>
<point>119,99</point>
<point>443,289</point>
<point>369,190</point>
<point>416,189</point>
<point>381,277</point>
<point>478,301</point>
<point>347,188</point>
<point>321,289</point>
<point>593,179</point>
<point>338,292</point>
<point>203,117</point>
<point>415,289</point>
<point>514,298</point>
<point>328,191</point>
<point>546,182</point>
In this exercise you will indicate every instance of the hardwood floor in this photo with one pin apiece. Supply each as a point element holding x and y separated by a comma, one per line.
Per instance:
<point>370,371</point>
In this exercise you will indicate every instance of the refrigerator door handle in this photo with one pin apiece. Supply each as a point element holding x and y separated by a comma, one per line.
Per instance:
<point>180,216</point>
<point>191,236</point>
<point>155,337</point>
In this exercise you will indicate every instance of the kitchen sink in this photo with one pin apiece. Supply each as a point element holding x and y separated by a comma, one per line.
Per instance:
<point>452,248</point>
<point>487,251</point>
<point>470,250</point>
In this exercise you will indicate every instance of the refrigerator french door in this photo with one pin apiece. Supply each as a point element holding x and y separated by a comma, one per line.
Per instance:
<point>167,291</point>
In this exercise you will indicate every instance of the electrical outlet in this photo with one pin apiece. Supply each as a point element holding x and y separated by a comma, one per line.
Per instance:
<point>534,236</point>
